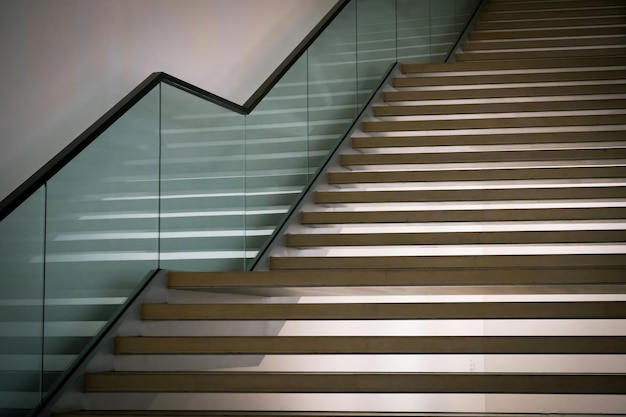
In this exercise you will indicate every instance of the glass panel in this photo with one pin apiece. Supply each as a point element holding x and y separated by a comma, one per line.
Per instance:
<point>276,155</point>
<point>332,83</point>
<point>444,32</point>
<point>376,35</point>
<point>101,231</point>
<point>21,306</point>
<point>202,184</point>
<point>414,31</point>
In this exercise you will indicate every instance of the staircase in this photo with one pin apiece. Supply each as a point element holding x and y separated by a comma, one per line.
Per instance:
<point>468,255</point>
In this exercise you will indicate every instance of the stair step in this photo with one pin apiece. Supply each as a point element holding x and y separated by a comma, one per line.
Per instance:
<point>549,5</point>
<point>458,238</point>
<point>547,63</point>
<point>369,176</point>
<point>485,46</point>
<point>598,310</point>
<point>613,10</point>
<point>567,279</point>
<point>417,216</point>
<point>489,35</point>
<point>517,155</point>
<point>355,382</point>
<point>512,121</point>
<point>608,133</point>
<point>501,91</point>
<point>443,261</point>
<point>328,345</point>
<point>578,103</point>
<point>516,55</point>
<point>388,196</point>
<point>550,23</point>
<point>611,73</point>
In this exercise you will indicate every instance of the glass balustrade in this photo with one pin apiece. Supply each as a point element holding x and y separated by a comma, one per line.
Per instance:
<point>180,182</point>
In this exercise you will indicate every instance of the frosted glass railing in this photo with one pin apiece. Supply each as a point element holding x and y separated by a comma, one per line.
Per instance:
<point>180,182</point>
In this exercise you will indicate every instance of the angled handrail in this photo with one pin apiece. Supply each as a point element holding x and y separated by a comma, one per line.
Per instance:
<point>54,165</point>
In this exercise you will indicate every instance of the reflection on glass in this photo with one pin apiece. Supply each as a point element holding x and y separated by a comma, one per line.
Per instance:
<point>376,34</point>
<point>101,231</point>
<point>332,99</point>
<point>202,184</point>
<point>21,306</point>
<point>276,155</point>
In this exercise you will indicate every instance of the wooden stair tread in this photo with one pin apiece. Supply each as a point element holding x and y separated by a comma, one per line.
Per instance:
<point>518,155</point>
<point>419,216</point>
<point>301,345</point>
<point>543,43</point>
<point>389,311</point>
<point>547,33</point>
<point>456,238</point>
<point>356,383</point>
<point>495,122</point>
<point>346,177</point>
<point>532,77</point>
<point>446,109</point>
<point>397,196</point>
<point>503,92</point>
<point>583,52</point>
<point>491,277</point>
<point>608,133</point>
<point>610,10</point>
<point>564,4</point>
<point>447,262</point>
<point>520,65</point>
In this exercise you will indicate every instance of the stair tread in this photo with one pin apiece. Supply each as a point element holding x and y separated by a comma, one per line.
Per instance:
<point>606,133</point>
<point>486,108</point>
<point>372,345</point>
<point>344,177</point>
<point>481,155</point>
<point>511,91</point>
<point>494,122</point>
<point>389,311</point>
<point>356,382</point>
<point>457,238</point>
<point>445,261</point>
<point>441,215</point>
<point>521,65</point>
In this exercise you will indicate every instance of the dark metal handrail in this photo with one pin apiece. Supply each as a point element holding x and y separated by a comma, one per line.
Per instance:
<point>39,178</point>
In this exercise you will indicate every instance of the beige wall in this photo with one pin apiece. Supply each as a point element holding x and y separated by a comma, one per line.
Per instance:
<point>66,62</point>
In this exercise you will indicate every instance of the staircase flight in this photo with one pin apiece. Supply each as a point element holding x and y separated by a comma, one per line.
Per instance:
<point>480,216</point>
